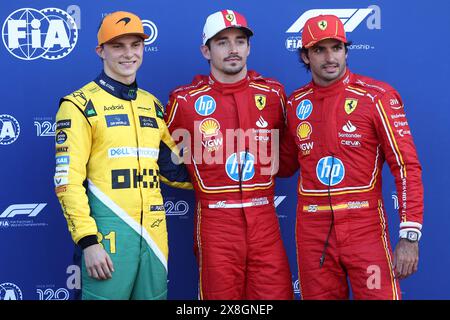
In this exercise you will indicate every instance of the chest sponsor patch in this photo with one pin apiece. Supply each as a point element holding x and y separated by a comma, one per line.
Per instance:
<point>148,122</point>
<point>205,105</point>
<point>260,101</point>
<point>304,109</point>
<point>117,120</point>
<point>330,171</point>
<point>304,130</point>
<point>350,105</point>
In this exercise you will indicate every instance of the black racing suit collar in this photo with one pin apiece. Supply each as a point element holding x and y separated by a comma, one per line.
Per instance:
<point>116,88</point>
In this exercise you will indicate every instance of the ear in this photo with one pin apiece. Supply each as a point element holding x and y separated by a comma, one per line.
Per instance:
<point>305,57</point>
<point>99,50</point>
<point>205,52</point>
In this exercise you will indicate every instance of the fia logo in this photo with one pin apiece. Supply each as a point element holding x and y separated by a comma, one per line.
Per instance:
<point>9,291</point>
<point>29,34</point>
<point>9,129</point>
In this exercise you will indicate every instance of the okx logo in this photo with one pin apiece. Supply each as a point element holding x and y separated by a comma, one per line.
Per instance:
<point>29,34</point>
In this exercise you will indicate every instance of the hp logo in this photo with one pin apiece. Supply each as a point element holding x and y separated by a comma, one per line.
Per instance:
<point>246,165</point>
<point>330,171</point>
<point>205,105</point>
<point>304,109</point>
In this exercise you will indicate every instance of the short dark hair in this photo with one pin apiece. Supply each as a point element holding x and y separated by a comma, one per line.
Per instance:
<point>305,51</point>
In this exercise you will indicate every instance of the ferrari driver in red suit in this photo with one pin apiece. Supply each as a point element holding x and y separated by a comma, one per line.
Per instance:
<point>345,126</point>
<point>229,121</point>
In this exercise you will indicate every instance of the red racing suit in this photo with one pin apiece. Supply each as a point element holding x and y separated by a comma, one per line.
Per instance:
<point>228,131</point>
<point>343,135</point>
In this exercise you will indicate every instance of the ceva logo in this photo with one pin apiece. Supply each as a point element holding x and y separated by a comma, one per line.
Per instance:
<point>29,34</point>
<point>351,18</point>
<point>29,209</point>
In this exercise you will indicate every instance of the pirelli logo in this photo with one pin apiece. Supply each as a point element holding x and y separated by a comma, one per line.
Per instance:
<point>131,178</point>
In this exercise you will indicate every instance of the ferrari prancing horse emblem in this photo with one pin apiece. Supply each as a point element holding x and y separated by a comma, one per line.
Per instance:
<point>322,24</point>
<point>260,101</point>
<point>350,105</point>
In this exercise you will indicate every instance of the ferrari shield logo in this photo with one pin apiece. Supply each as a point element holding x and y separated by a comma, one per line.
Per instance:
<point>350,105</point>
<point>230,17</point>
<point>322,24</point>
<point>260,101</point>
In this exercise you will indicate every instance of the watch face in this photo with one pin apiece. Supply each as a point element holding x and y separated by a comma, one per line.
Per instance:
<point>412,236</point>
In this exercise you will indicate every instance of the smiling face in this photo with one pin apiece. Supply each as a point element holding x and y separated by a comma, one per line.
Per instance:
<point>122,57</point>
<point>227,53</point>
<point>327,60</point>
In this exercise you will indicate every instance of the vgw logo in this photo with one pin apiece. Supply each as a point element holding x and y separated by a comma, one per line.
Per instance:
<point>351,18</point>
<point>9,129</point>
<point>29,34</point>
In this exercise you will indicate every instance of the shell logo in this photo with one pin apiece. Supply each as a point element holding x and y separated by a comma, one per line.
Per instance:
<point>209,127</point>
<point>304,130</point>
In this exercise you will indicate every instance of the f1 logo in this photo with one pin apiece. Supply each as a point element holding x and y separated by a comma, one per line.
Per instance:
<point>31,210</point>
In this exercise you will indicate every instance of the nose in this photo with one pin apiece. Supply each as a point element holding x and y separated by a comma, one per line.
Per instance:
<point>233,47</point>
<point>128,53</point>
<point>329,56</point>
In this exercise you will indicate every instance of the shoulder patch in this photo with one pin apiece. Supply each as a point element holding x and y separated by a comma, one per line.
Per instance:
<point>89,111</point>
<point>80,97</point>
<point>158,109</point>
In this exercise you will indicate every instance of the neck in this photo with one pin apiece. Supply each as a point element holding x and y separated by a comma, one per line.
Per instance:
<point>126,80</point>
<point>229,78</point>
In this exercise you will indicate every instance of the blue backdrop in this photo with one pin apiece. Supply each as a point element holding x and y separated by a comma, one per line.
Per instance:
<point>48,51</point>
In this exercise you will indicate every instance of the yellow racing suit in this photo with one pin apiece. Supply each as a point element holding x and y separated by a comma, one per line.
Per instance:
<point>112,150</point>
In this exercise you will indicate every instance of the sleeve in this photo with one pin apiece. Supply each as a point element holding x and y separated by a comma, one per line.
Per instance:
<point>172,170</point>
<point>400,153</point>
<point>288,152</point>
<point>73,147</point>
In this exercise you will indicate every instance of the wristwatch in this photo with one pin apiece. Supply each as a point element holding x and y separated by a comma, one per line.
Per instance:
<point>412,236</point>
